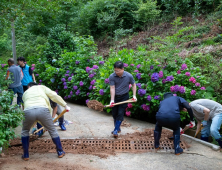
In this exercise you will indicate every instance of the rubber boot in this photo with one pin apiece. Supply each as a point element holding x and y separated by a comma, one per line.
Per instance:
<point>25,145</point>
<point>61,120</point>
<point>119,131</point>
<point>178,149</point>
<point>40,133</point>
<point>157,136</point>
<point>219,142</point>
<point>117,125</point>
<point>58,144</point>
<point>204,138</point>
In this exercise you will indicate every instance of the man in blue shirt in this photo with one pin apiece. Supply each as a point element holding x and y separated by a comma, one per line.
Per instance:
<point>28,73</point>
<point>168,115</point>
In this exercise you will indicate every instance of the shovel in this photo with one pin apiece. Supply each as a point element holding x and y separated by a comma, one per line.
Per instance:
<point>201,127</point>
<point>60,115</point>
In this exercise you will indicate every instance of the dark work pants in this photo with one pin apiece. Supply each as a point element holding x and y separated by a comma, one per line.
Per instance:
<point>19,91</point>
<point>171,123</point>
<point>119,110</point>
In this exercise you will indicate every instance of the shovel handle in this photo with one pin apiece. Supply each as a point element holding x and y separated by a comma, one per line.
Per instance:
<point>127,101</point>
<point>201,127</point>
<point>60,115</point>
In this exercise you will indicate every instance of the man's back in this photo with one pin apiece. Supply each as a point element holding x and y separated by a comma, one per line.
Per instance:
<point>15,75</point>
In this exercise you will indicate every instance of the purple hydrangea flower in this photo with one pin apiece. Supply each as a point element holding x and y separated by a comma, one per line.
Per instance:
<point>90,87</point>
<point>183,67</point>
<point>91,75</point>
<point>169,78</point>
<point>136,71</point>
<point>197,84</point>
<point>182,89</point>
<point>65,87</point>
<point>95,67</point>
<point>33,68</point>
<point>172,88</point>
<point>65,97</point>
<point>107,81</point>
<point>155,77</point>
<point>125,65</point>
<point>87,101</point>
<point>141,92</point>
<point>193,92</point>
<point>138,75</point>
<point>72,74</point>
<point>66,75</point>
<point>160,74</point>
<point>70,78</point>
<point>176,88</point>
<point>149,98</point>
<point>138,85</point>
<point>64,84</point>
<point>164,81</point>
<point>101,92</point>
<point>87,94</point>
<point>164,67</point>
<point>187,74</point>
<point>71,93</point>
<point>131,64</point>
<point>151,67</point>
<point>40,81</point>
<point>75,87</point>
<point>69,96</point>
<point>81,83</point>
<point>77,92</point>
<point>88,69</point>
<point>156,97</point>
<point>67,71</point>
<point>174,94</point>
<point>138,66</point>
<point>37,75</point>
<point>92,82</point>
<point>101,62</point>
<point>77,62</point>
<point>145,107</point>
<point>202,88</point>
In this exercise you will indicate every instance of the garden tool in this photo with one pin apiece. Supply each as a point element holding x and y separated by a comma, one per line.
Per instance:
<point>95,105</point>
<point>201,127</point>
<point>60,115</point>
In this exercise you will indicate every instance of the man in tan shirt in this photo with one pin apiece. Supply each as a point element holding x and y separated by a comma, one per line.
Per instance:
<point>37,107</point>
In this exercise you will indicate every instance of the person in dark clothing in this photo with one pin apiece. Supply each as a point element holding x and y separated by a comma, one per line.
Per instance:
<point>168,116</point>
<point>119,91</point>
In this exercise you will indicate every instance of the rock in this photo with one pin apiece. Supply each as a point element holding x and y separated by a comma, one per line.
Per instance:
<point>2,155</point>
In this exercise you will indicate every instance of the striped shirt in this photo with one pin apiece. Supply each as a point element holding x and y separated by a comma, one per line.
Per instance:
<point>121,83</point>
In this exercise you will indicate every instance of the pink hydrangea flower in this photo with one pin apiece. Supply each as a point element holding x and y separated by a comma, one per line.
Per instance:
<point>202,88</point>
<point>33,65</point>
<point>33,68</point>
<point>192,79</point>
<point>193,92</point>
<point>130,85</point>
<point>187,74</point>
<point>183,67</point>
<point>128,113</point>
<point>197,84</point>
<point>178,72</point>
<point>174,94</point>
<point>172,88</point>
<point>130,105</point>
<point>160,74</point>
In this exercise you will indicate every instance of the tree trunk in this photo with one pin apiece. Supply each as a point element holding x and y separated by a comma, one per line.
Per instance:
<point>13,42</point>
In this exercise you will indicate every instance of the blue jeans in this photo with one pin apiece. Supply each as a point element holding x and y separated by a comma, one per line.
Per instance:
<point>19,91</point>
<point>213,127</point>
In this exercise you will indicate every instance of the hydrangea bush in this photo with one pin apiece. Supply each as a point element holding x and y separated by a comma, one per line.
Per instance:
<point>84,77</point>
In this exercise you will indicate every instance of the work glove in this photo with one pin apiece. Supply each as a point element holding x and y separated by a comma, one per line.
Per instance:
<point>191,124</point>
<point>111,103</point>
<point>67,108</point>
<point>134,98</point>
<point>181,131</point>
<point>204,123</point>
